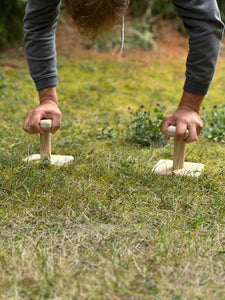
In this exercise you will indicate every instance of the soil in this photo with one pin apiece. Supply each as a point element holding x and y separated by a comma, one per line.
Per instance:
<point>170,44</point>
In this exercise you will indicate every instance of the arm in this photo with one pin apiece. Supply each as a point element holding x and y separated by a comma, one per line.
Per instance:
<point>39,35</point>
<point>202,21</point>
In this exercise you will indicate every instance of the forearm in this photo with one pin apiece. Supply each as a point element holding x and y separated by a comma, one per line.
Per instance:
<point>205,28</point>
<point>39,35</point>
<point>191,101</point>
<point>48,94</point>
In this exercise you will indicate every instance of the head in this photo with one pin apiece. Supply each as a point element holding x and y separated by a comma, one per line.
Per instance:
<point>95,16</point>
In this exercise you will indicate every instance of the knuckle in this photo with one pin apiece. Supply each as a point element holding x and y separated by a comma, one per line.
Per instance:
<point>180,134</point>
<point>34,127</point>
<point>167,118</point>
<point>183,120</point>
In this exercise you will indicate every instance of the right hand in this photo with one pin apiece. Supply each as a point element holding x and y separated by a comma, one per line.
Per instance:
<point>48,109</point>
<point>186,117</point>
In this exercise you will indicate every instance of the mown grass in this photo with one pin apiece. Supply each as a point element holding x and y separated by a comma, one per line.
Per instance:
<point>105,227</point>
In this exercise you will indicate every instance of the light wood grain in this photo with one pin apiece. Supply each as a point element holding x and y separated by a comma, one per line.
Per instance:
<point>171,132</point>
<point>178,155</point>
<point>45,139</point>
<point>179,148</point>
<point>178,166</point>
<point>45,148</point>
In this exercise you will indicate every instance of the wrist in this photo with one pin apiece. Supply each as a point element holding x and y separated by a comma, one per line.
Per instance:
<point>48,95</point>
<point>191,101</point>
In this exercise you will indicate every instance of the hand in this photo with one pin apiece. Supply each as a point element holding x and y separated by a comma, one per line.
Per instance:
<point>186,117</point>
<point>48,109</point>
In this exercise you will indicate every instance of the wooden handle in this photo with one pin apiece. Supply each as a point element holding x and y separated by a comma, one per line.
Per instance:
<point>178,155</point>
<point>46,124</point>
<point>45,139</point>
<point>179,148</point>
<point>171,132</point>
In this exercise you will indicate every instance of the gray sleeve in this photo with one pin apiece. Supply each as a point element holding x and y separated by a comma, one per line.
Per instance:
<point>205,28</point>
<point>39,36</point>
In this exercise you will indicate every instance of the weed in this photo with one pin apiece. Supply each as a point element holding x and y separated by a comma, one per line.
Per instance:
<point>138,35</point>
<point>107,133</point>
<point>214,124</point>
<point>145,128</point>
<point>125,169</point>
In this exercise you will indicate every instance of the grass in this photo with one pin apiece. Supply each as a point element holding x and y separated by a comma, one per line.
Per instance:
<point>105,227</point>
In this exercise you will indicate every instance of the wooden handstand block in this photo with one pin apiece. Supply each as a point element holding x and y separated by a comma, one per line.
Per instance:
<point>45,147</point>
<point>178,166</point>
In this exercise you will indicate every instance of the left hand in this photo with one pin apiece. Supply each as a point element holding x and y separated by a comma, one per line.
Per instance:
<point>46,110</point>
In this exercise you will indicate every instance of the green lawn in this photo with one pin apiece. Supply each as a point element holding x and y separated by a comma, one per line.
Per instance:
<point>105,227</point>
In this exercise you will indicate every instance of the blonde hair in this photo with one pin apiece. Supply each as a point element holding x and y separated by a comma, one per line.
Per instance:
<point>95,16</point>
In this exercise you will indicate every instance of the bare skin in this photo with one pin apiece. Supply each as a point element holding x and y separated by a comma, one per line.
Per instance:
<point>47,109</point>
<point>186,117</point>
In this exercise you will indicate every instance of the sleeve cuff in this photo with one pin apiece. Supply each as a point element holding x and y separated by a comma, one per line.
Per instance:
<point>195,88</point>
<point>45,83</point>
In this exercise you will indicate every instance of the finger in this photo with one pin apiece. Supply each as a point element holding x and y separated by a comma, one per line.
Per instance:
<point>181,128</point>
<point>26,124</point>
<point>56,122</point>
<point>194,131</point>
<point>34,122</point>
<point>26,127</point>
<point>193,135</point>
<point>199,127</point>
<point>166,123</point>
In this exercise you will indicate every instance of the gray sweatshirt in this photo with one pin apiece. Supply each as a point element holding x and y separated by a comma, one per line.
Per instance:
<point>201,19</point>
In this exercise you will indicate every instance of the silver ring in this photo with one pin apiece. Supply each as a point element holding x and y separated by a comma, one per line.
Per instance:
<point>187,134</point>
